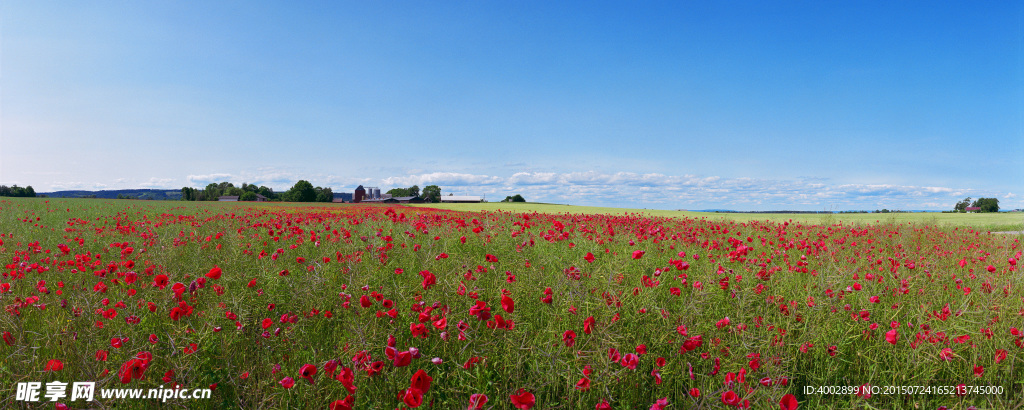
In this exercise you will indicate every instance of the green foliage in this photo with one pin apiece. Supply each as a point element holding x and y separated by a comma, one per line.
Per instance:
<point>514,198</point>
<point>410,191</point>
<point>962,205</point>
<point>324,194</point>
<point>987,204</point>
<point>302,191</point>
<point>247,196</point>
<point>267,192</point>
<point>16,191</point>
<point>432,193</point>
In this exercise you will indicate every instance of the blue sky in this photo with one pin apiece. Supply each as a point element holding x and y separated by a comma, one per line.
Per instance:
<point>663,105</point>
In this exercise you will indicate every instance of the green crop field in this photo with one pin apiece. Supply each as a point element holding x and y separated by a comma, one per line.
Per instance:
<point>1002,221</point>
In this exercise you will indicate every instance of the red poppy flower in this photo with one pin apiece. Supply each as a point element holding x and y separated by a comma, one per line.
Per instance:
<point>477,401</point>
<point>214,273</point>
<point>421,381</point>
<point>603,405</point>
<point>788,402</point>
<point>892,336</point>
<point>54,365</point>
<point>480,310</point>
<point>428,279</point>
<point>730,398</point>
<point>307,371</point>
<point>402,359</point>
<point>343,404</point>
<point>8,338</point>
<point>507,303</point>
<point>161,281</point>
<point>1000,355</point>
<point>630,361</point>
<point>412,397</point>
<point>287,382</point>
<point>569,337</point>
<point>583,384</point>
<point>613,354</point>
<point>469,363</point>
<point>347,378</point>
<point>588,325</point>
<point>524,400</point>
<point>638,254</point>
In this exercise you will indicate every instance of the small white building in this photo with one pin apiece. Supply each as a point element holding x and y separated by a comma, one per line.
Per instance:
<point>461,198</point>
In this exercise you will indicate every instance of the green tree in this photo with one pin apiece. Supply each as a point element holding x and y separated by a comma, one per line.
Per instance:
<point>962,205</point>
<point>987,204</point>
<point>514,198</point>
<point>267,192</point>
<point>302,191</point>
<point>211,192</point>
<point>324,194</point>
<point>432,193</point>
<point>247,196</point>
<point>397,192</point>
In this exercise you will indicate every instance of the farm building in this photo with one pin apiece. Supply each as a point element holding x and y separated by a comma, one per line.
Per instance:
<point>409,199</point>
<point>359,195</point>
<point>388,200</point>
<point>461,199</point>
<point>973,209</point>
<point>228,198</point>
<point>261,198</point>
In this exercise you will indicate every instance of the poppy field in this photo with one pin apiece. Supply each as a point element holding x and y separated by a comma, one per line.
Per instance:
<point>388,307</point>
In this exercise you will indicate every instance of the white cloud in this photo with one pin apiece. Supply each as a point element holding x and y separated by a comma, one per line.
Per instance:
<point>203,180</point>
<point>442,178</point>
<point>156,183</point>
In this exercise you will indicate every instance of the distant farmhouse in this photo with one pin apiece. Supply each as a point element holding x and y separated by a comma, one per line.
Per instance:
<point>973,209</point>
<point>372,195</point>
<point>235,198</point>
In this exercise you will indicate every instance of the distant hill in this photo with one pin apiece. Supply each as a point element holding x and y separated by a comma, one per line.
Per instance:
<point>150,194</point>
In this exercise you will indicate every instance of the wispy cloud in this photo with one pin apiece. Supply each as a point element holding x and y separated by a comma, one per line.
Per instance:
<point>202,180</point>
<point>158,183</point>
<point>443,178</point>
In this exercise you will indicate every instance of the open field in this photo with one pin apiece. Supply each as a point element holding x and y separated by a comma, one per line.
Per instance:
<point>274,306</point>
<point>1003,221</point>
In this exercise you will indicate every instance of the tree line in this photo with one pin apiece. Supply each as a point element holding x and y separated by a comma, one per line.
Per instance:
<point>430,193</point>
<point>986,205</point>
<point>302,191</point>
<point>17,191</point>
